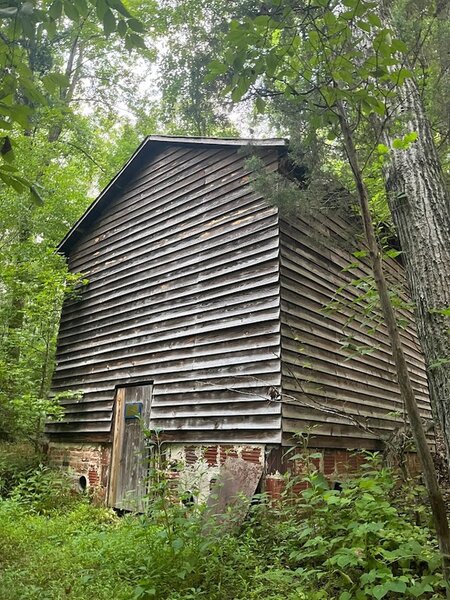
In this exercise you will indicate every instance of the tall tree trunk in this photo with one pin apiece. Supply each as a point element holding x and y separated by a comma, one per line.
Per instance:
<point>404,381</point>
<point>73,74</point>
<point>420,207</point>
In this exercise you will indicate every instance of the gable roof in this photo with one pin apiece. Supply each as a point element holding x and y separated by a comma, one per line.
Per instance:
<point>151,144</point>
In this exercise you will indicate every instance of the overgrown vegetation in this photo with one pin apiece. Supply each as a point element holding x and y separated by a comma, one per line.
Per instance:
<point>370,539</point>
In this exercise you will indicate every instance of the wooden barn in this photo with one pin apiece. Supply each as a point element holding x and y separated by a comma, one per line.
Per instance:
<point>205,316</point>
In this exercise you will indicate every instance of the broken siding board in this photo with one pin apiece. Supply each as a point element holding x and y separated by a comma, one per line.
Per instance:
<point>321,280</point>
<point>181,385</point>
<point>189,351</point>
<point>340,441</point>
<point>141,244</point>
<point>164,290</point>
<point>136,201</point>
<point>208,236</point>
<point>300,334</point>
<point>305,236</point>
<point>358,370</point>
<point>343,395</point>
<point>185,294</point>
<point>319,382</point>
<point>203,274</point>
<point>225,360</point>
<point>190,369</point>
<point>301,343</point>
<point>252,333</point>
<point>246,310</point>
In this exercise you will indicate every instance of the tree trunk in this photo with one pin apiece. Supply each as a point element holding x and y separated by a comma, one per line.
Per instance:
<point>420,207</point>
<point>404,381</point>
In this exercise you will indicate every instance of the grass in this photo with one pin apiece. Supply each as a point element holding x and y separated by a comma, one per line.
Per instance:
<point>369,541</point>
<point>84,553</point>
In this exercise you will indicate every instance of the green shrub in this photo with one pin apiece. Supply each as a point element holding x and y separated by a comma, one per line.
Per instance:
<point>26,480</point>
<point>356,543</point>
<point>16,462</point>
<point>360,543</point>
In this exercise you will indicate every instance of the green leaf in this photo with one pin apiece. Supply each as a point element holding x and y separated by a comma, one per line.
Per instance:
<point>82,7</point>
<point>399,46</point>
<point>418,589</point>
<point>409,138</point>
<point>53,82</point>
<point>392,253</point>
<point>382,149</point>
<point>121,28</point>
<point>396,586</point>
<point>15,182</point>
<point>216,67</point>
<point>70,11</point>
<point>20,114</point>
<point>135,41</point>
<point>36,196</point>
<point>51,28</point>
<point>240,89</point>
<point>57,79</point>
<point>136,25</point>
<point>364,25</point>
<point>100,8</point>
<point>109,22</point>
<point>441,311</point>
<point>260,105</point>
<point>379,591</point>
<point>118,5</point>
<point>374,19</point>
<point>55,10</point>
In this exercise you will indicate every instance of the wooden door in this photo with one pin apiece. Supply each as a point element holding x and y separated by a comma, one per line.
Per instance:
<point>129,464</point>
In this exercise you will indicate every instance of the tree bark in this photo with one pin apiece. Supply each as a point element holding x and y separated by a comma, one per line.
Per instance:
<point>407,392</point>
<point>420,207</point>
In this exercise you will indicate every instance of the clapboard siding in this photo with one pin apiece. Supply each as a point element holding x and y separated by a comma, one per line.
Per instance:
<point>197,286</point>
<point>183,269</point>
<point>327,388</point>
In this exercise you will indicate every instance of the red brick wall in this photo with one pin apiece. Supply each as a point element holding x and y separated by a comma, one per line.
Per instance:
<point>83,460</point>
<point>92,462</point>
<point>335,464</point>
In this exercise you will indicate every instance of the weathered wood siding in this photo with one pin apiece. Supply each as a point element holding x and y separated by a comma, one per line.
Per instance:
<point>183,269</point>
<point>321,381</point>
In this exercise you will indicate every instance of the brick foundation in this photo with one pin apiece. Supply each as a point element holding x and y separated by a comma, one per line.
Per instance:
<point>87,461</point>
<point>194,468</point>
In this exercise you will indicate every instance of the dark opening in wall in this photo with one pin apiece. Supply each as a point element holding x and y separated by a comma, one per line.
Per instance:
<point>82,483</point>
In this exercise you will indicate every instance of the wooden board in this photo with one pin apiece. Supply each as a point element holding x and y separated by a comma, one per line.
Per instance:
<point>342,399</point>
<point>129,464</point>
<point>183,269</point>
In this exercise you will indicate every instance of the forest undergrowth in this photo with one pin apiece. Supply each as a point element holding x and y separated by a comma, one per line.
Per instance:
<point>371,539</point>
